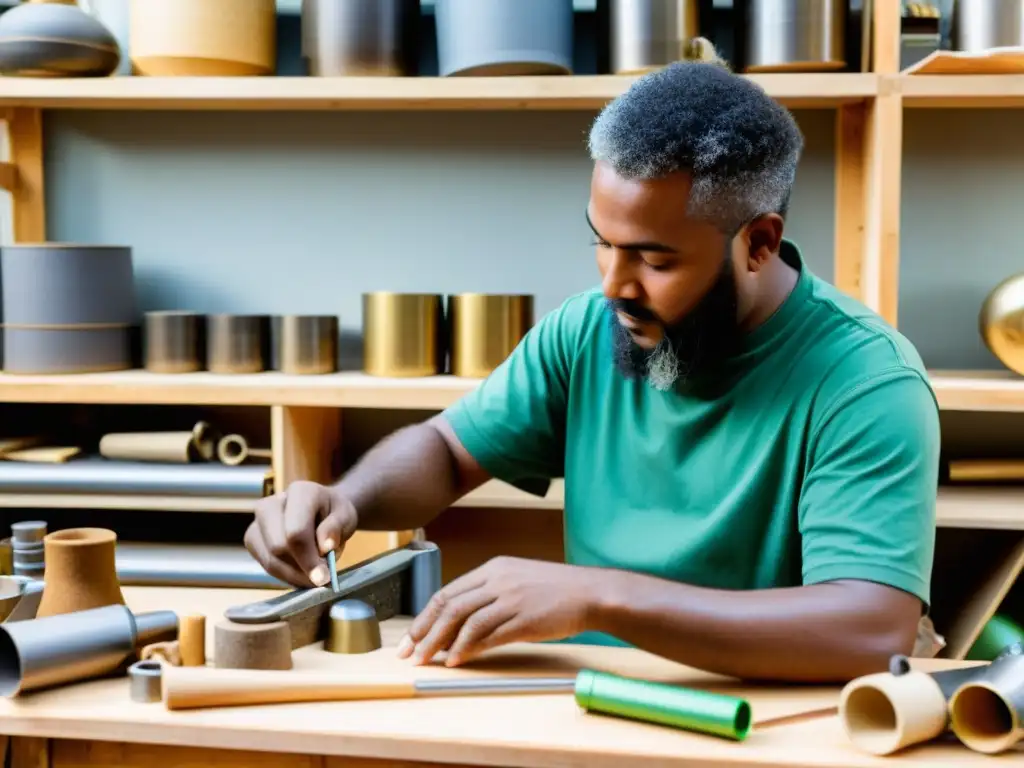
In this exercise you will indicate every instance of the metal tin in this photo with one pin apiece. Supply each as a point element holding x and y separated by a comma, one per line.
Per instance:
<point>237,343</point>
<point>796,35</point>
<point>649,34</point>
<point>403,334</point>
<point>174,342</point>
<point>360,37</point>
<point>305,344</point>
<point>63,284</point>
<point>484,329</point>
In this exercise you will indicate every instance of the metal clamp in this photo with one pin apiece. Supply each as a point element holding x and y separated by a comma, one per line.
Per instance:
<point>144,681</point>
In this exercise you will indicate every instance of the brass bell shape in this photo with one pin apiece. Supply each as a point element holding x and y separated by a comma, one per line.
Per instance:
<point>1001,322</point>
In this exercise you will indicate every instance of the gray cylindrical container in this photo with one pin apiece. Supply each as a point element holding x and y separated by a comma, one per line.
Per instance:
<point>648,34</point>
<point>796,35</point>
<point>979,25</point>
<point>67,350</point>
<point>504,37</point>
<point>63,284</point>
<point>360,37</point>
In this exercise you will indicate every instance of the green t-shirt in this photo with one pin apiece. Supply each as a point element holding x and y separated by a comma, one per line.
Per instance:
<point>814,458</point>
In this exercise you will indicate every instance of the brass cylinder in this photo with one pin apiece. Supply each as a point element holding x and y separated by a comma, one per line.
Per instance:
<point>173,342</point>
<point>403,334</point>
<point>484,329</point>
<point>306,344</point>
<point>353,628</point>
<point>237,343</point>
<point>1001,322</point>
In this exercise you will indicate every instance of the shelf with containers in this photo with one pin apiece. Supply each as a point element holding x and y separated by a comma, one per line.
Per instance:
<point>307,418</point>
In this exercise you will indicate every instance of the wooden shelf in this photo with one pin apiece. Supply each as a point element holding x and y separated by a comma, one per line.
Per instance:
<point>383,93</point>
<point>996,391</point>
<point>956,390</point>
<point>958,91</point>
<point>978,507</point>
<point>339,390</point>
<point>958,507</point>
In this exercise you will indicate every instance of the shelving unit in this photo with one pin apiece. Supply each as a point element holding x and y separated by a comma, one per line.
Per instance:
<point>307,414</point>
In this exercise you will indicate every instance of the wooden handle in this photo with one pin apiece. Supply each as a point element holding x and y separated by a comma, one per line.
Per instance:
<point>203,687</point>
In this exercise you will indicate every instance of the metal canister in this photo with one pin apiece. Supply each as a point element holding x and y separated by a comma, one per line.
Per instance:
<point>979,25</point>
<point>644,35</point>
<point>360,37</point>
<point>403,334</point>
<point>796,35</point>
<point>484,330</point>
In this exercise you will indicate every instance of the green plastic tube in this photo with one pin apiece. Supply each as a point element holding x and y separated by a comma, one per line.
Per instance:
<point>686,708</point>
<point>1000,632</point>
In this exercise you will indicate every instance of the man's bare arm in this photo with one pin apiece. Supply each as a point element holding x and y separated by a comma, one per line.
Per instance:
<point>822,632</point>
<point>410,477</point>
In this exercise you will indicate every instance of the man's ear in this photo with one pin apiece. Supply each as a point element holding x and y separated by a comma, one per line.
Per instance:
<point>763,237</point>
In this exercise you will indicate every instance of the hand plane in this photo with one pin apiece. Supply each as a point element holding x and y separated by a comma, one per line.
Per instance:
<point>399,582</point>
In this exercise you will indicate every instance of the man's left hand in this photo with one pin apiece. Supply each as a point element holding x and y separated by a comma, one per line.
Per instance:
<point>506,600</point>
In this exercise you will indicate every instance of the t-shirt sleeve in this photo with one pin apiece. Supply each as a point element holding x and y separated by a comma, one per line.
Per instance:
<point>867,508</point>
<point>513,424</point>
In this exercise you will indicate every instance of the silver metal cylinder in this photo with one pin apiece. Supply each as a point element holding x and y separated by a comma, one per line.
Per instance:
<point>358,37</point>
<point>144,681</point>
<point>978,25</point>
<point>796,35</point>
<point>649,34</point>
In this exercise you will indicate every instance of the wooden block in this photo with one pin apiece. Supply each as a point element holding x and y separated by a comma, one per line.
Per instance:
<point>192,639</point>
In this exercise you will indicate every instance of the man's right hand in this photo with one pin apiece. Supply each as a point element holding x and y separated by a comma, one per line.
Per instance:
<point>294,530</point>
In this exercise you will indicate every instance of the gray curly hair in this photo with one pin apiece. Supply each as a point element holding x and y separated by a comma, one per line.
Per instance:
<point>740,147</point>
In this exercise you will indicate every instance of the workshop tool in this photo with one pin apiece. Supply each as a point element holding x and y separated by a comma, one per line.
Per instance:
<point>398,582</point>
<point>354,628</point>
<point>70,647</point>
<point>332,567</point>
<point>595,691</point>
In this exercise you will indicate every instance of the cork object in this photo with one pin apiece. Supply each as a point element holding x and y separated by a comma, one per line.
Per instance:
<point>80,571</point>
<point>252,646</point>
<point>168,652</point>
<point>192,640</point>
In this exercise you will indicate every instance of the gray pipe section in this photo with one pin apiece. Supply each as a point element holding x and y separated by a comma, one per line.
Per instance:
<point>103,476</point>
<point>71,647</point>
<point>185,565</point>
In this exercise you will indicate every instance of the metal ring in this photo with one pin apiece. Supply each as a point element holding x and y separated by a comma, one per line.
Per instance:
<point>144,681</point>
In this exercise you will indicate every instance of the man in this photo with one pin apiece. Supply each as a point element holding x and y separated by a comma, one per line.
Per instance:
<point>750,457</point>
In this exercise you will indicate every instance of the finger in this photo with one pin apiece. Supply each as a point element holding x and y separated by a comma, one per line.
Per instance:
<point>269,514</point>
<point>503,627</point>
<point>305,505</point>
<point>277,568</point>
<point>337,527</point>
<point>458,611</point>
<point>440,600</point>
<point>478,631</point>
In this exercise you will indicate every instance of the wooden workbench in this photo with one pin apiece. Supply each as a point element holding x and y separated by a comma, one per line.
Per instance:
<point>95,723</point>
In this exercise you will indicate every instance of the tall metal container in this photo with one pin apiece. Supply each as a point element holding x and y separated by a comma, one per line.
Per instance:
<point>796,35</point>
<point>645,35</point>
<point>504,37</point>
<point>360,37</point>
<point>978,25</point>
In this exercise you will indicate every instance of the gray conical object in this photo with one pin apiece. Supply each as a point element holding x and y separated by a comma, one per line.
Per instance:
<point>55,38</point>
